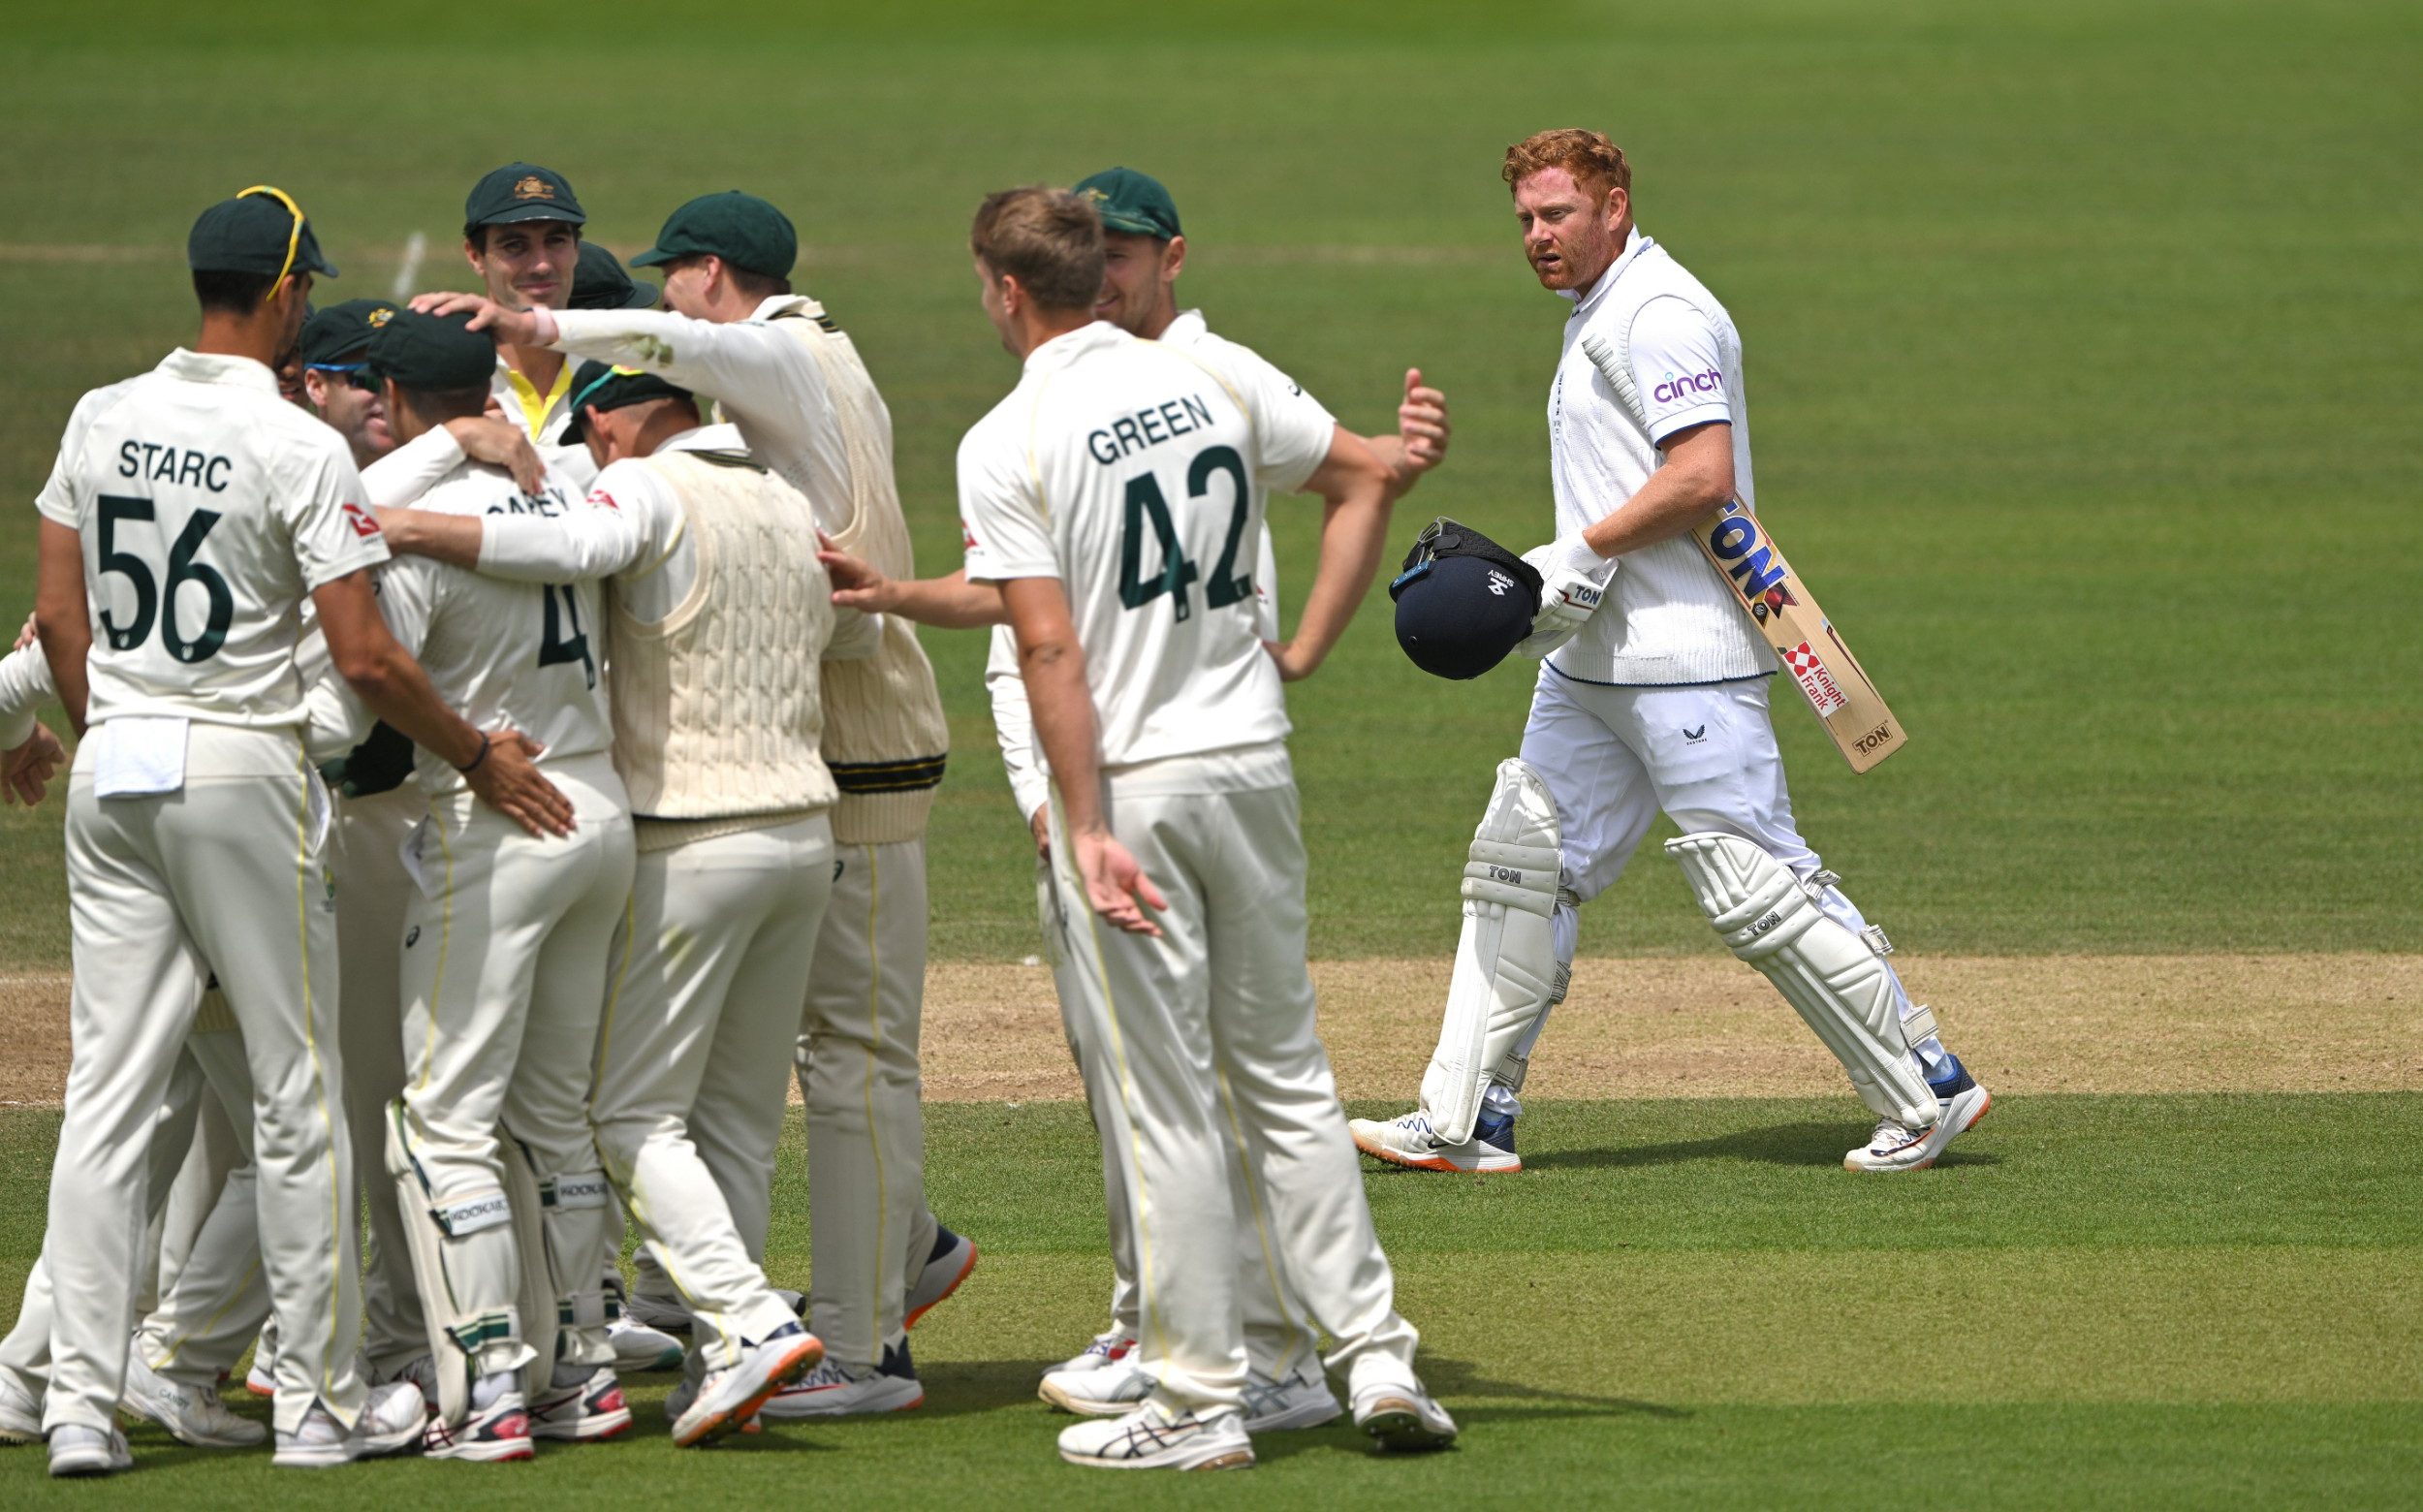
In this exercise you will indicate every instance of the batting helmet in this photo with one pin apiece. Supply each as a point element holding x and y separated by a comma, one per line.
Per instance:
<point>1462,601</point>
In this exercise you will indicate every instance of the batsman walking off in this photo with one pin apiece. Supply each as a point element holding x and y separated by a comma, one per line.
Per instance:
<point>1653,694</point>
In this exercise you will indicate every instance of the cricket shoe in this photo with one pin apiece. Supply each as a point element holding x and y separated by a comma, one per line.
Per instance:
<point>421,1371</point>
<point>1896,1146</point>
<point>1150,1438</point>
<point>726,1398</point>
<point>1105,1350</point>
<point>837,1390</point>
<point>1409,1141</point>
<point>1280,1403</point>
<point>1403,1418</point>
<point>192,1416</point>
<point>641,1347</point>
<point>392,1419</point>
<point>954,1257</point>
<point>584,1405</point>
<point>261,1378</point>
<point>1113,1390</point>
<point>500,1431</point>
<point>79,1450</point>
<point>21,1412</point>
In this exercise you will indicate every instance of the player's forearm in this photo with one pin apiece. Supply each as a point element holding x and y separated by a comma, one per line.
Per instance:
<point>1354,533</point>
<point>735,362</point>
<point>408,471</point>
<point>950,603</point>
<point>1393,455</point>
<point>1064,726</point>
<point>25,685</point>
<point>398,691</point>
<point>62,616</point>
<point>1697,477</point>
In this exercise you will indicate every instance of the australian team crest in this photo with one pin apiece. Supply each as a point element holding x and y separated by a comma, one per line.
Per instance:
<point>533,187</point>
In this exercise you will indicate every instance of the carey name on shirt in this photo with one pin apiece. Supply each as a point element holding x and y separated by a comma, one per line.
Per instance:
<point>1148,428</point>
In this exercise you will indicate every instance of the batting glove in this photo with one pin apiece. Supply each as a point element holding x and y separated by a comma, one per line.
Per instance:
<point>1573,580</point>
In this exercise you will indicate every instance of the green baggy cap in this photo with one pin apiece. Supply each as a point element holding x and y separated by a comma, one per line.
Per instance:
<point>261,231</point>
<point>437,353</point>
<point>520,192</point>
<point>741,228</point>
<point>1131,202</point>
<point>599,283</point>
<point>597,386</point>
<point>341,334</point>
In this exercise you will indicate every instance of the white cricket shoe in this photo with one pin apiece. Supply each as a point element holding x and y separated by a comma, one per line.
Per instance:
<point>1896,1146</point>
<point>21,1412</point>
<point>954,1256</point>
<point>639,1347</point>
<point>1409,1141</point>
<point>421,1371</point>
<point>726,1398</point>
<point>837,1390</point>
<point>390,1420</point>
<point>1103,1391</point>
<point>496,1432</point>
<point>1105,1350</point>
<point>1150,1438</point>
<point>79,1450</point>
<point>195,1417</point>
<point>1277,1404</point>
<point>1403,1418</point>
<point>584,1405</point>
<point>260,1379</point>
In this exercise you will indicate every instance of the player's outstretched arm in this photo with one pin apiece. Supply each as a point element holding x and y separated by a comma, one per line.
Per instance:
<point>1420,443</point>
<point>61,616</point>
<point>1353,486</point>
<point>501,768</point>
<point>950,603</point>
<point>27,768</point>
<point>29,754</point>
<point>1053,666</point>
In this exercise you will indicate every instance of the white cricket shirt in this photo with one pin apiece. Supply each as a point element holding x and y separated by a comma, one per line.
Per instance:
<point>1668,618</point>
<point>1135,474</point>
<point>209,508</point>
<point>524,654</point>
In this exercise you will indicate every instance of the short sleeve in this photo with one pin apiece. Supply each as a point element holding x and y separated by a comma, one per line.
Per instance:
<point>408,591</point>
<point>334,532</point>
<point>1000,518</point>
<point>60,500</point>
<point>1678,367</point>
<point>1292,430</point>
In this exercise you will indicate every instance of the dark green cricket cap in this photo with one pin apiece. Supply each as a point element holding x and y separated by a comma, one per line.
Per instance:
<point>597,386</point>
<point>435,353</point>
<point>259,231</point>
<point>520,192</point>
<point>341,334</point>
<point>741,228</point>
<point>599,283</point>
<point>1131,202</point>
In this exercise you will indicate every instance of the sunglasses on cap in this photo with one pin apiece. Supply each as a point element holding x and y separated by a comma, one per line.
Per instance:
<point>356,374</point>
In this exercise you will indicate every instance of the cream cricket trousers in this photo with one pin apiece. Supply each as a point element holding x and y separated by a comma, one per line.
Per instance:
<point>693,1058</point>
<point>857,1065</point>
<point>210,1159</point>
<point>1213,1080</point>
<point>1704,754</point>
<point>204,1244</point>
<point>372,891</point>
<point>230,870</point>
<point>215,1295</point>
<point>505,952</point>
<point>1278,1336</point>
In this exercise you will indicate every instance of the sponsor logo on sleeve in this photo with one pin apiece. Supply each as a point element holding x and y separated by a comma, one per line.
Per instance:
<point>366,524</point>
<point>1690,386</point>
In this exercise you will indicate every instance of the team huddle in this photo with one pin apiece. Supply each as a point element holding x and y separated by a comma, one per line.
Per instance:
<point>505,743</point>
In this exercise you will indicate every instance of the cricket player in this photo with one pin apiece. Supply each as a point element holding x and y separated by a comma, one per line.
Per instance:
<point>791,380</point>
<point>504,952</point>
<point>600,282</point>
<point>190,514</point>
<point>1653,694</point>
<point>721,616</point>
<point>30,755</point>
<point>521,235</point>
<point>1109,496</point>
<point>1144,250</point>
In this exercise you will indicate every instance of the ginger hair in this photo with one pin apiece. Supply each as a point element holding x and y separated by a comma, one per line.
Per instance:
<point>1596,163</point>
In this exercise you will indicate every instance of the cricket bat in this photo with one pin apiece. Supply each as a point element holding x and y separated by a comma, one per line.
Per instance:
<point>1779,604</point>
<point>1806,643</point>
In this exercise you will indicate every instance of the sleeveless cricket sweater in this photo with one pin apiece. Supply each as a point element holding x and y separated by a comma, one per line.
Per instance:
<point>717,717</point>
<point>885,737</point>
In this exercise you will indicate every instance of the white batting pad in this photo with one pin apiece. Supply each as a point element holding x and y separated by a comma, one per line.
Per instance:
<point>1506,961</point>
<point>1840,987</point>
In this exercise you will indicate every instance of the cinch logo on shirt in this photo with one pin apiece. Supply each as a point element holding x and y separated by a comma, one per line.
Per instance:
<point>1710,382</point>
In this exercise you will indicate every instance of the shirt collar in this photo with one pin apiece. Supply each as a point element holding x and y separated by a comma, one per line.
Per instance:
<point>1190,326</point>
<point>774,304</point>
<point>704,438</point>
<point>1635,242</point>
<point>1070,345</point>
<point>218,367</point>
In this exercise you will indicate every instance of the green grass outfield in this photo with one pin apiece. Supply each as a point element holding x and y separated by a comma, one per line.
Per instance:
<point>2081,341</point>
<point>2164,1301</point>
